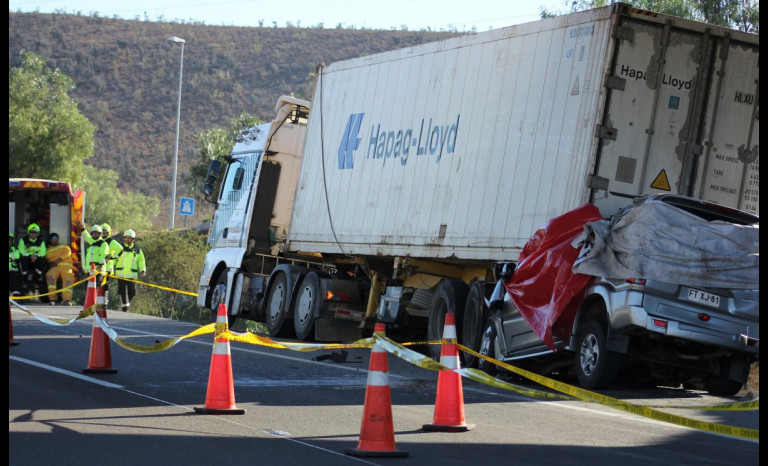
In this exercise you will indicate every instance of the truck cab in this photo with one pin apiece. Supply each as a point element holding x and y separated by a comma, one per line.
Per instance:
<point>253,206</point>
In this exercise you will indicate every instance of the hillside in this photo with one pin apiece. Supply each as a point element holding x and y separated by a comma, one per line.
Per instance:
<point>126,73</point>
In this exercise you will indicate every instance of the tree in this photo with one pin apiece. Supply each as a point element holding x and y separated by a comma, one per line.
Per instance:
<point>213,143</point>
<point>104,203</point>
<point>48,136</point>
<point>739,14</point>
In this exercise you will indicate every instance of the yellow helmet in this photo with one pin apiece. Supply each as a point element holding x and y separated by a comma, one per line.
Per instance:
<point>33,227</point>
<point>106,228</point>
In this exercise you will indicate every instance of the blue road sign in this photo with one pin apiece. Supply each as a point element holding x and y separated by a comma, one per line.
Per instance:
<point>187,206</point>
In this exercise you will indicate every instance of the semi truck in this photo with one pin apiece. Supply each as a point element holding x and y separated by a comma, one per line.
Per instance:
<point>413,173</point>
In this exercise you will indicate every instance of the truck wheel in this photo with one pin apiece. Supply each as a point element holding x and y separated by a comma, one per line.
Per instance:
<point>218,296</point>
<point>487,348</point>
<point>472,323</point>
<point>277,303</point>
<point>307,303</point>
<point>722,384</point>
<point>596,366</point>
<point>450,296</point>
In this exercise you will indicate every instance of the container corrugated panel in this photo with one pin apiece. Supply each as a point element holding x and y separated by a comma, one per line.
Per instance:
<point>454,149</point>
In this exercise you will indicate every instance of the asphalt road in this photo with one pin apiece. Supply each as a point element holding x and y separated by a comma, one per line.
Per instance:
<point>302,411</point>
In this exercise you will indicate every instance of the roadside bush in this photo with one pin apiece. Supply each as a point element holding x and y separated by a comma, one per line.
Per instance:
<point>174,262</point>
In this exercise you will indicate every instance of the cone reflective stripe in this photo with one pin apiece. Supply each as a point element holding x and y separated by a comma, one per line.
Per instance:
<point>377,435</point>
<point>449,403</point>
<point>90,293</point>
<point>10,329</point>
<point>100,357</point>
<point>220,395</point>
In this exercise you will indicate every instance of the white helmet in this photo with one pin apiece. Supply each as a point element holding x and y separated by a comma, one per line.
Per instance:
<point>130,233</point>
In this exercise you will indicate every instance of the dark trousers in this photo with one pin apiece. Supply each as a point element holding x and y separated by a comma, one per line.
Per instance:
<point>126,290</point>
<point>34,272</point>
<point>14,281</point>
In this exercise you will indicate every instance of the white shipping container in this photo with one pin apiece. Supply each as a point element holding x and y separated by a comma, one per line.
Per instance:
<point>461,149</point>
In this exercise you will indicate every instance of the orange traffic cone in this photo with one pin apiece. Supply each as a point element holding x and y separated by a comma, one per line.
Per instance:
<point>220,397</point>
<point>100,357</point>
<point>10,329</point>
<point>377,436</point>
<point>449,405</point>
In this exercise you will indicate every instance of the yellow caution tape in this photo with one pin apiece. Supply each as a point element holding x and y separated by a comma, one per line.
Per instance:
<point>422,361</point>
<point>157,347</point>
<point>58,321</point>
<point>189,293</point>
<point>35,296</point>
<point>644,411</point>
<point>254,339</point>
<point>749,405</point>
<point>417,359</point>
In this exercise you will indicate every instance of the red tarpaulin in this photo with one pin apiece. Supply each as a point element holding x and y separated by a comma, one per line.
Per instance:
<point>543,288</point>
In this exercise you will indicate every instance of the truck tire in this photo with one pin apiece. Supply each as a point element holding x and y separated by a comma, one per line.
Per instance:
<point>721,384</point>
<point>475,316</point>
<point>277,306</point>
<point>450,296</point>
<point>218,296</point>
<point>306,308</point>
<point>487,347</point>
<point>596,366</point>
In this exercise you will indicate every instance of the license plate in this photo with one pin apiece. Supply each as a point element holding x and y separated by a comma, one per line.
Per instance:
<point>702,297</point>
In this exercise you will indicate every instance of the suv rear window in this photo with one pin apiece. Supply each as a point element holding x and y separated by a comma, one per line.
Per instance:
<point>709,211</point>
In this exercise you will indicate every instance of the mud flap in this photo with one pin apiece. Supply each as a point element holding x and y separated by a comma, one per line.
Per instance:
<point>739,369</point>
<point>337,330</point>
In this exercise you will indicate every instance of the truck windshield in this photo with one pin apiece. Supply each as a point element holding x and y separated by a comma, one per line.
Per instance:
<point>230,225</point>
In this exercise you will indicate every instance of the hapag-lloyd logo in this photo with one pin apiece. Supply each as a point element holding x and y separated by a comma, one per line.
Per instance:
<point>430,139</point>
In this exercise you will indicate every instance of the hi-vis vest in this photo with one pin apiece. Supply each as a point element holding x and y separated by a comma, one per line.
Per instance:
<point>13,259</point>
<point>96,254</point>
<point>114,248</point>
<point>130,262</point>
<point>27,247</point>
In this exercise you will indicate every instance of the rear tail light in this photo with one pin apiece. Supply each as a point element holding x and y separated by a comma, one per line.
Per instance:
<point>660,323</point>
<point>337,296</point>
<point>636,281</point>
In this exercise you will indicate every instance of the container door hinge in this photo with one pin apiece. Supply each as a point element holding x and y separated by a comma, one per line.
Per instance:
<point>615,83</point>
<point>597,182</point>
<point>604,132</point>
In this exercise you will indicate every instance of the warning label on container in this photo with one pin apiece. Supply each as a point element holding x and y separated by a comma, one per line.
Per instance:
<point>661,181</point>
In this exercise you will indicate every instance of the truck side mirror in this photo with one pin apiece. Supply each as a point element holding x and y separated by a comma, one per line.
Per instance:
<point>207,189</point>
<point>214,169</point>
<point>504,270</point>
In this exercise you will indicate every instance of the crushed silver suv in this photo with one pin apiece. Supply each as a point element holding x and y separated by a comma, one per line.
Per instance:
<point>665,291</point>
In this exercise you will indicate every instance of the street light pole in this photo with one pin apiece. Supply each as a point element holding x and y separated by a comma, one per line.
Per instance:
<point>178,119</point>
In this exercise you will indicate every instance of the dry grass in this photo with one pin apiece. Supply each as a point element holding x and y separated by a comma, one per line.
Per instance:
<point>752,389</point>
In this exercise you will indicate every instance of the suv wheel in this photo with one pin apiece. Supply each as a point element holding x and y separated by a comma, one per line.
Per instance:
<point>721,384</point>
<point>488,348</point>
<point>596,366</point>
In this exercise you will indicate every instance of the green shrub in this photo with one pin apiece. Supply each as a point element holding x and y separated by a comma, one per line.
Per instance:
<point>174,262</point>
